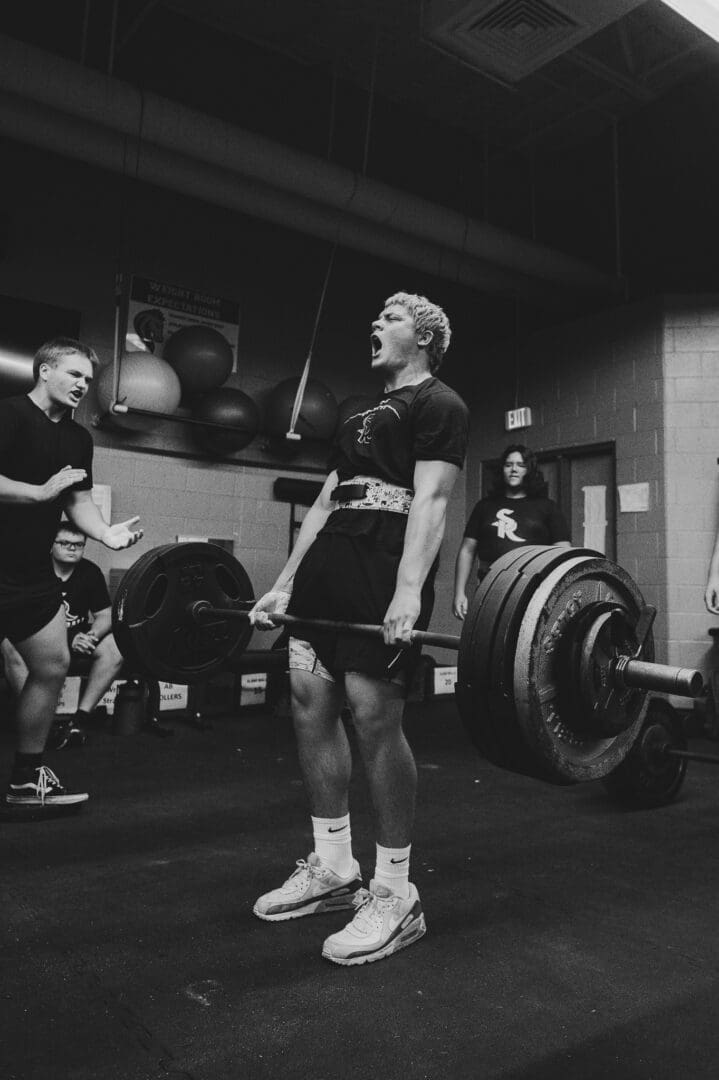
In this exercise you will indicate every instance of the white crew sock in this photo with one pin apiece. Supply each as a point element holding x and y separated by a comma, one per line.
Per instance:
<point>333,843</point>
<point>392,869</point>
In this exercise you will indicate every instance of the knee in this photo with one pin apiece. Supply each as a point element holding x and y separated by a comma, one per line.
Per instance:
<point>374,729</point>
<point>52,667</point>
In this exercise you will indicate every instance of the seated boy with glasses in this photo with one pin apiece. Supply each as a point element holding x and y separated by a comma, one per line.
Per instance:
<point>88,614</point>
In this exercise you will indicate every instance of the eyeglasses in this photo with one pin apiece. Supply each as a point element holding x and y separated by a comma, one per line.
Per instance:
<point>70,543</point>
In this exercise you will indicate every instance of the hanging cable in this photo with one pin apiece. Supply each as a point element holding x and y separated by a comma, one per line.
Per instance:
<point>299,396</point>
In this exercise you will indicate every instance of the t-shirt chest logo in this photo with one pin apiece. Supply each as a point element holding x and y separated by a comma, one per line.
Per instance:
<point>368,419</point>
<point>506,527</point>
<point>70,619</point>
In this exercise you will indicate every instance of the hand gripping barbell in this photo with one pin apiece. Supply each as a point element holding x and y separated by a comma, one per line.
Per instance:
<point>555,658</point>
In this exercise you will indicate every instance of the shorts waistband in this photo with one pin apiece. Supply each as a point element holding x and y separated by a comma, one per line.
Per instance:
<point>369,493</point>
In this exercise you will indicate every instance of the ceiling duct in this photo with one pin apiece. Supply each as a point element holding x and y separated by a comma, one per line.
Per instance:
<point>52,102</point>
<point>510,39</point>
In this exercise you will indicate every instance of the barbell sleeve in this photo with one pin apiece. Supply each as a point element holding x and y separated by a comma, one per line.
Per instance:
<point>646,675</point>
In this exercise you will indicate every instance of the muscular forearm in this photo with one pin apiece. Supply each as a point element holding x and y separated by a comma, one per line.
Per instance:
<point>101,624</point>
<point>84,514</point>
<point>423,539</point>
<point>17,492</point>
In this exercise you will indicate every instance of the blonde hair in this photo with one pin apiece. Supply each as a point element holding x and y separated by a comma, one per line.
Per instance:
<point>426,316</point>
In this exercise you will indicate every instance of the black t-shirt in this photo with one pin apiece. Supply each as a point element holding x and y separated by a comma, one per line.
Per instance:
<point>500,524</point>
<point>84,591</point>
<point>424,422</point>
<point>32,449</point>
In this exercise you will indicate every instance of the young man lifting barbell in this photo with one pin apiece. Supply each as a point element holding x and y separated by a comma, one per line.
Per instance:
<point>367,553</point>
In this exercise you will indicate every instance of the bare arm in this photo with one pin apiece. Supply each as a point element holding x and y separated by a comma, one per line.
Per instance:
<point>101,623</point>
<point>85,644</point>
<point>433,483</point>
<point>462,570</point>
<point>22,494</point>
<point>278,596</point>
<point>83,513</point>
<point>711,595</point>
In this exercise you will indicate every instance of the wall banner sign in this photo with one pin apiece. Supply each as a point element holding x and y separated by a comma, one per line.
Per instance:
<point>156,309</point>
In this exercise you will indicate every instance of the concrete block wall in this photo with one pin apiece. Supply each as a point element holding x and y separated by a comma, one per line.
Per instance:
<point>596,380</point>
<point>691,424</point>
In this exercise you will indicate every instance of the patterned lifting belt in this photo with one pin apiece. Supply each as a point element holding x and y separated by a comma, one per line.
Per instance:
<point>369,493</point>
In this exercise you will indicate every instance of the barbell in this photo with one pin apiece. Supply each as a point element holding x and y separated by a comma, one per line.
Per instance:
<point>555,657</point>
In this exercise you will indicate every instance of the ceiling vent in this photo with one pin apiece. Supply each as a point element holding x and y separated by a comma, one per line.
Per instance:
<point>510,39</point>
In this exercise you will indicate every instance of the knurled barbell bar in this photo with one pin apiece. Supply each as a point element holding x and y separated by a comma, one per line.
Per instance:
<point>555,657</point>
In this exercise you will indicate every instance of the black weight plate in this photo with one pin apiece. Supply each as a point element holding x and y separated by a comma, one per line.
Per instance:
<point>502,661</point>
<point>475,648</point>
<point>488,714</point>
<point>649,777</point>
<point>151,620</point>
<point>565,752</point>
<point>121,633</point>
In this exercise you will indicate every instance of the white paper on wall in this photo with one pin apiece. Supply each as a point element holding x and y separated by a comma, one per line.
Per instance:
<point>633,498</point>
<point>595,517</point>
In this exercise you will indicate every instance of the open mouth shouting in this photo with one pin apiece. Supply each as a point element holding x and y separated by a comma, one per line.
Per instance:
<point>375,345</point>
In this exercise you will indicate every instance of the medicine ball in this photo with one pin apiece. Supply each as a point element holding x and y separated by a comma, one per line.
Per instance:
<point>201,356</point>
<point>146,382</point>
<point>225,406</point>
<point>318,413</point>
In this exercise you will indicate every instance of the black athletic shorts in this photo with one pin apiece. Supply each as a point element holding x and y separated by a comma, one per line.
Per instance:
<point>347,579</point>
<point>25,609</point>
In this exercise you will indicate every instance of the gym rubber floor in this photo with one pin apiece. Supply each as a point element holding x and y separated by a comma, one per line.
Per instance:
<point>566,937</point>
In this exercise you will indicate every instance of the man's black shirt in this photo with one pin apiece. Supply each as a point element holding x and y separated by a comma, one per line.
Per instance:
<point>84,591</point>
<point>32,449</point>
<point>424,422</point>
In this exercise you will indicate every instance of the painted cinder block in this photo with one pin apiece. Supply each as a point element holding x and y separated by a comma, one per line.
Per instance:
<point>697,439</point>
<point>684,414</point>
<point>153,471</point>
<point>640,545</point>
<point>703,338</point>
<point>698,389</point>
<point>215,481</point>
<point>678,364</point>
<point>682,570</point>
<point>686,543</point>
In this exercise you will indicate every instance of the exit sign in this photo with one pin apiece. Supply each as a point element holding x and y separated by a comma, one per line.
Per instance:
<point>517,418</point>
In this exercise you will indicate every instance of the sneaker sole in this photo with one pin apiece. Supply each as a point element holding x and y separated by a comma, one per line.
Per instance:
<point>52,800</point>
<point>320,906</point>
<point>413,933</point>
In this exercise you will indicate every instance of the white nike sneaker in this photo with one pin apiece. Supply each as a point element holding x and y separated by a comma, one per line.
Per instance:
<point>383,924</point>
<point>311,890</point>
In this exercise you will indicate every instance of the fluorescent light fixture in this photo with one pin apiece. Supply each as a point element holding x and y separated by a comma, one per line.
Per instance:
<point>702,13</point>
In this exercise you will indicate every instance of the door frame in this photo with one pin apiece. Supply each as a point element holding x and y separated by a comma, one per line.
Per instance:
<point>563,456</point>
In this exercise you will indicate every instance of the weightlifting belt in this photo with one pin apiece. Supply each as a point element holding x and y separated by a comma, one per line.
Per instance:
<point>369,493</point>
